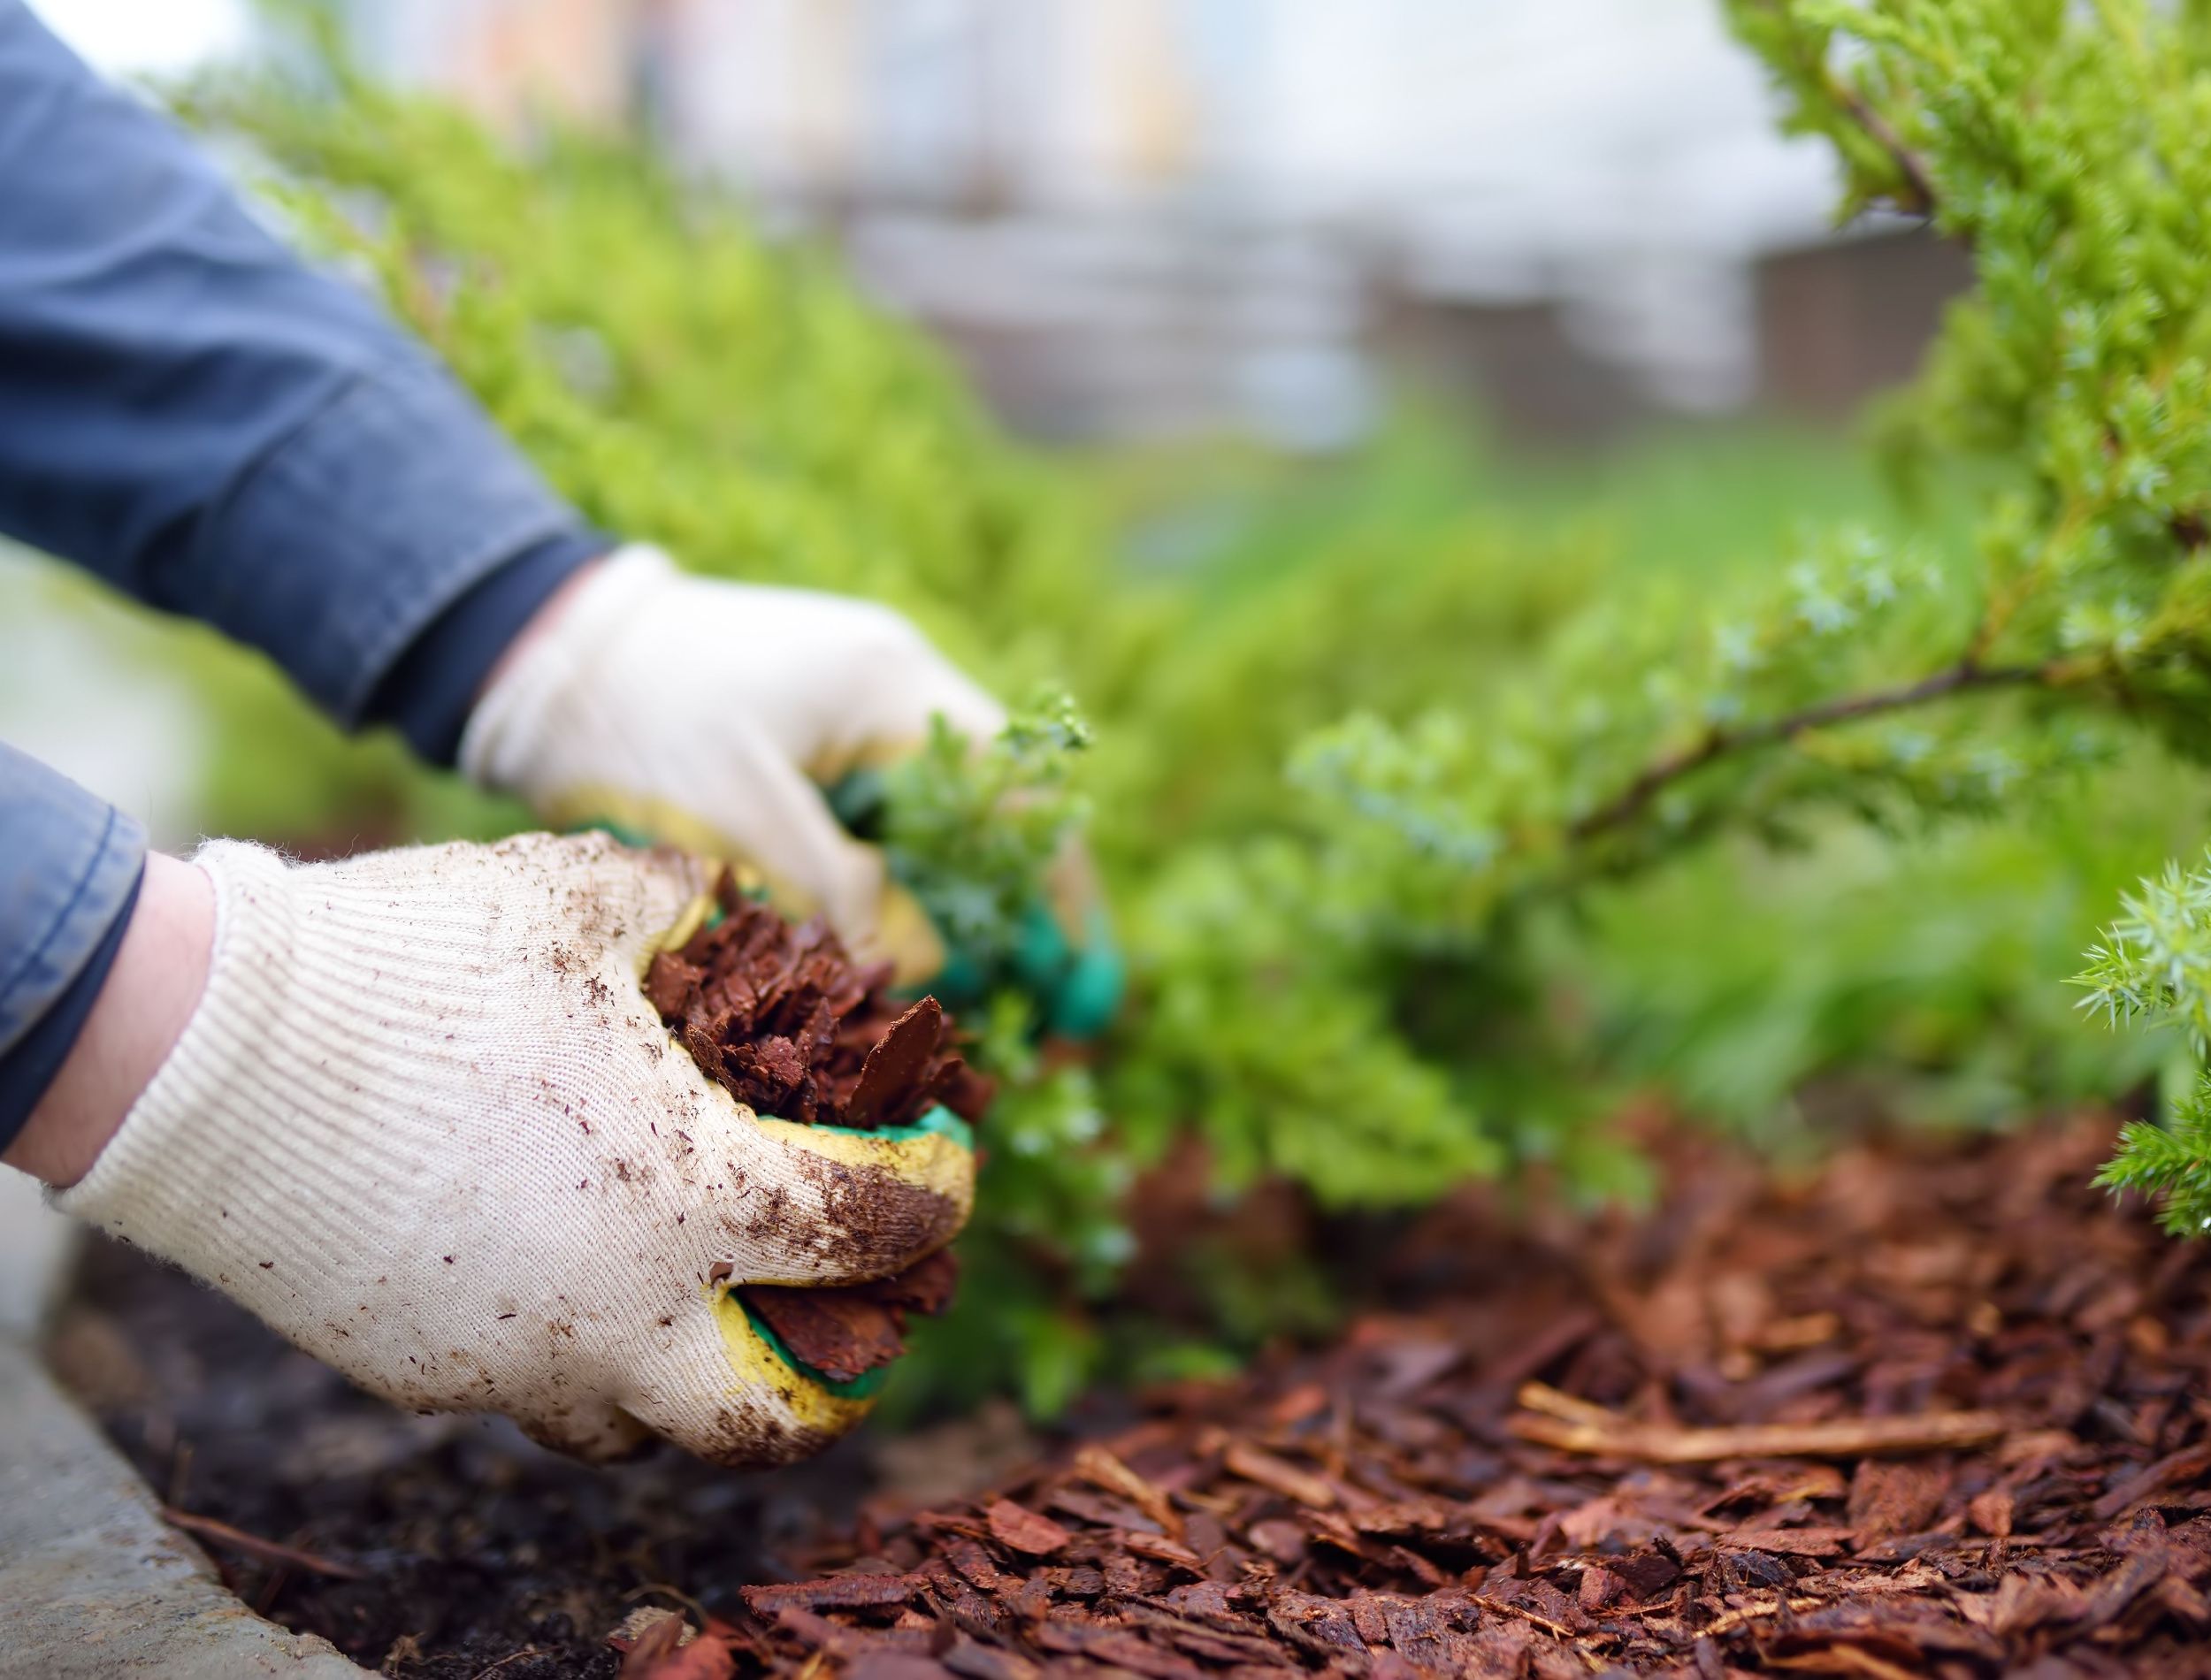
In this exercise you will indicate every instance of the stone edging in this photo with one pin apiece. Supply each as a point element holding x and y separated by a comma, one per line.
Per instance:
<point>93,1583</point>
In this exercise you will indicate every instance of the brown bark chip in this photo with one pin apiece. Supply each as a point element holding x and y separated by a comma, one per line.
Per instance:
<point>1020,1529</point>
<point>781,1019</point>
<point>839,1332</point>
<point>896,1069</point>
<point>844,1333</point>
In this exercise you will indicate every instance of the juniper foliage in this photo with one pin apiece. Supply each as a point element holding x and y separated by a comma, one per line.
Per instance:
<point>1871,678</point>
<point>974,834</point>
<point>2064,146</point>
<point>2155,967</point>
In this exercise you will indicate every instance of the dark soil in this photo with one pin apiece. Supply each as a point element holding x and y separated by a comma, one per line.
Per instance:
<point>784,1020</point>
<point>1940,1410</point>
<point>473,1543</point>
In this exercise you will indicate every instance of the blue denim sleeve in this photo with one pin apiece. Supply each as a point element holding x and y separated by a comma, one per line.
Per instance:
<point>69,869</point>
<point>189,411</point>
<point>222,431</point>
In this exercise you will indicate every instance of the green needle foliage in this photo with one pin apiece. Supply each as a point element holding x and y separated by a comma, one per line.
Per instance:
<point>2155,962</point>
<point>2155,967</point>
<point>2172,1161</point>
<point>976,834</point>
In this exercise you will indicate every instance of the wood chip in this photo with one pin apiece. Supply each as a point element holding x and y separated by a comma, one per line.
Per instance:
<point>1022,1530</point>
<point>897,1066</point>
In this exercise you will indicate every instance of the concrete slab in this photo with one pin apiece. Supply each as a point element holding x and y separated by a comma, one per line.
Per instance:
<point>93,1583</point>
<point>36,1244</point>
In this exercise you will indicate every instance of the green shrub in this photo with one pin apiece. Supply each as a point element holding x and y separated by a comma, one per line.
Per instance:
<point>1435,820</point>
<point>1873,677</point>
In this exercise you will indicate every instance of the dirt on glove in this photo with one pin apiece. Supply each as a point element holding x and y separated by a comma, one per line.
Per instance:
<point>782,1018</point>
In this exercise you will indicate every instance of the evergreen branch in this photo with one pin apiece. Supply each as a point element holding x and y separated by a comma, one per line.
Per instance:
<point>1807,66</point>
<point>1801,59</point>
<point>1876,128</point>
<point>2188,527</point>
<point>1965,677</point>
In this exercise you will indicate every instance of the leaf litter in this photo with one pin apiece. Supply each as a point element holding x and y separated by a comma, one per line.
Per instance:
<point>1940,1410</point>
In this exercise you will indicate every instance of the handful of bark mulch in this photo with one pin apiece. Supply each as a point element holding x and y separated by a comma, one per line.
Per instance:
<point>782,1018</point>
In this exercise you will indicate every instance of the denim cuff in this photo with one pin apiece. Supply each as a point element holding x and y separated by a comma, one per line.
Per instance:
<point>69,871</point>
<point>428,695</point>
<point>29,1068</point>
<point>357,533</point>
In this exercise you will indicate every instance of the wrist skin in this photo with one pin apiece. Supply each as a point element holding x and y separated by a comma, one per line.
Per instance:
<point>159,970</point>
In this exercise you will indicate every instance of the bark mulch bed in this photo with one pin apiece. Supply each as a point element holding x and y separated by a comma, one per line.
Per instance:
<point>1940,1409</point>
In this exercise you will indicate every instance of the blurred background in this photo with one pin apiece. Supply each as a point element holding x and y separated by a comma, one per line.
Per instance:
<point>1567,227</point>
<point>1146,219</point>
<point>1150,218</point>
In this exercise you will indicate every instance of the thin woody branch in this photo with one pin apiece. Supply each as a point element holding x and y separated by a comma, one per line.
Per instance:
<point>1812,64</point>
<point>1965,677</point>
<point>1922,200</point>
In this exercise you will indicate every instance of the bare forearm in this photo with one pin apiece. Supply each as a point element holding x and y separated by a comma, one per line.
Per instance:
<point>149,995</point>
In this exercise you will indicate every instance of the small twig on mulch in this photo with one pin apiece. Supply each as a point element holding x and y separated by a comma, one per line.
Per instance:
<point>1498,1607</point>
<point>511,1657</point>
<point>1570,1425</point>
<point>221,1533</point>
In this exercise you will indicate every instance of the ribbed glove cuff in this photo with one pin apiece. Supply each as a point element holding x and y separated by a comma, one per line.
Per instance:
<point>522,715</point>
<point>242,1159</point>
<point>179,1139</point>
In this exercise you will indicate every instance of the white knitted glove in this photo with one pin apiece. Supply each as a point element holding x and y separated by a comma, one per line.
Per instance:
<point>424,1124</point>
<point>709,714</point>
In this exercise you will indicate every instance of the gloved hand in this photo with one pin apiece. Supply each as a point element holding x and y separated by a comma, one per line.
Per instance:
<point>424,1124</point>
<point>709,715</point>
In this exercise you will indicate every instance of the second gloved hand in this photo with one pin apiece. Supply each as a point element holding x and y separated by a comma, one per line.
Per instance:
<point>709,715</point>
<point>424,1124</point>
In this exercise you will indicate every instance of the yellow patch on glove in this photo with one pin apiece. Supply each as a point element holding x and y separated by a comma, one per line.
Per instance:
<point>757,1366</point>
